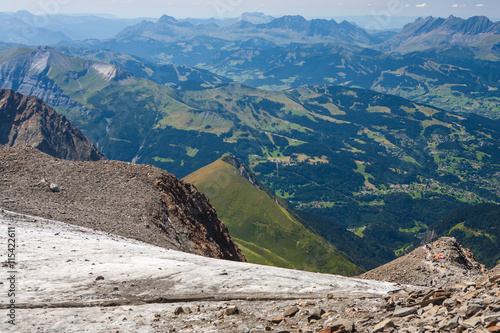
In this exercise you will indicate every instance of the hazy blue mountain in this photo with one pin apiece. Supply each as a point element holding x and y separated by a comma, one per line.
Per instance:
<point>23,27</point>
<point>478,32</point>
<point>283,30</point>
<point>17,31</point>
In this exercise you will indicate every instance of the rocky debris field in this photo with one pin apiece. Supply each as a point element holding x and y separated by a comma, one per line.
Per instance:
<point>74,279</point>
<point>464,307</point>
<point>135,201</point>
<point>420,268</point>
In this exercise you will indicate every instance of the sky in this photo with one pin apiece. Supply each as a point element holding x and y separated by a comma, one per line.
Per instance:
<point>379,9</point>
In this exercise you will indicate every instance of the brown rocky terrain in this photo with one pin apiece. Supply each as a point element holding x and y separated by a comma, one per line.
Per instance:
<point>28,121</point>
<point>420,267</point>
<point>135,201</point>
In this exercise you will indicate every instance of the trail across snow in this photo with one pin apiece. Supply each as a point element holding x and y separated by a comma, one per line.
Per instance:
<point>61,267</point>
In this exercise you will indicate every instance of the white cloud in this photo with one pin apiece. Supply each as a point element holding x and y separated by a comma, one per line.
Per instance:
<point>456,6</point>
<point>421,6</point>
<point>480,5</point>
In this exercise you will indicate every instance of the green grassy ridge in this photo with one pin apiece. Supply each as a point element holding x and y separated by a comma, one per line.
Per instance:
<point>267,231</point>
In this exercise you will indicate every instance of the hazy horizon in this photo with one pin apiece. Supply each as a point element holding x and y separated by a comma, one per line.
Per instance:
<point>221,9</point>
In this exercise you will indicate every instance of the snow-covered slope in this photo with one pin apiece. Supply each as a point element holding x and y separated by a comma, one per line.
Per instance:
<point>65,273</point>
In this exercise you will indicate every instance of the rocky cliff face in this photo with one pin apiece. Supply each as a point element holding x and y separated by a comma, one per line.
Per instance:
<point>135,201</point>
<point>28,121</point>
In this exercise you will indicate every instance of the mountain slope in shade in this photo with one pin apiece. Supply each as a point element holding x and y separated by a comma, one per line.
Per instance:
<point>477,31</point>
<point>266,231</point>
<point>28,121</point>
<point>477,227</point>
<point>135,201</point>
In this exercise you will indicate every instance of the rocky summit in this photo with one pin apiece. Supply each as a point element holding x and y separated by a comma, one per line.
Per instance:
<point>443,262</point>
<point>28,121</point>
<point>136,201</point>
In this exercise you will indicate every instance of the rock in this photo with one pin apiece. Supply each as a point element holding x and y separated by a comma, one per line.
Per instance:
<point>180,310</point>
<point>450,303</point>
<point>384,325</point>
<point>232,310</point>
<point>469,323</point>
<point>494,307</point>
<point>494,278</point>
<point>473,309</point>
<point>403,312</point>
<point>43,182</point>
<point>291,311</point>
<point>335,325</point>
<point>316,315</point>
<point>278,319</point>
<point>450,324</point>
<point>99,278</point>
<point>488,320</point>
<point>494,329</point>
<point>54,188</point>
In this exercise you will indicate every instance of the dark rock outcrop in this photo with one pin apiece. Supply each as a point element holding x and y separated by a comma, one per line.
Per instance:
<point>135,201</point>
<point>28,121</point>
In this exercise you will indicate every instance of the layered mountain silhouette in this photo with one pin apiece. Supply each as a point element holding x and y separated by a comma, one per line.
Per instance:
<point>286,29</point>
<point>477,31</point>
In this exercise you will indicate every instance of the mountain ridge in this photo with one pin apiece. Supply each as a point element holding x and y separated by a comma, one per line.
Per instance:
<point>477,31</point>
<point>27,120</point>
<point>271,234</point>
<point>135,201</point>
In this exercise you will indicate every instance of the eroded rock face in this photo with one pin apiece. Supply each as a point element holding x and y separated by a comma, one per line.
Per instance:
<point>28,121</point>
<point>135,201</point>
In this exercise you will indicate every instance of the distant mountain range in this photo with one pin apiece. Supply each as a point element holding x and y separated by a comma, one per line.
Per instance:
<point>455,66</point>
<point>380,164</point>
<point>281,30</point>
<point>25,28</point>
<point>180,95</point>
<point>478,32</point>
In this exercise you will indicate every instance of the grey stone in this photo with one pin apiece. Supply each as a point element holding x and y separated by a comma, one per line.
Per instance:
<point>403,312</point>
<point>473,309</point>
<point>469,323</point>
<point>450,324</point>
<point>316,314</point>
<point>291,311</point>
<point>384,324</point>
<point>450,303</point>
<point>232,310</point>
<point>348,325</point>
<point>54,188</point>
